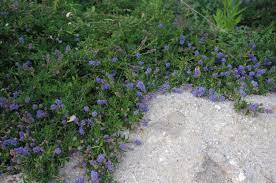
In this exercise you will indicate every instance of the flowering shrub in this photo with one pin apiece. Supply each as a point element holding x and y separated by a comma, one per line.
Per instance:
<point>74,76</point>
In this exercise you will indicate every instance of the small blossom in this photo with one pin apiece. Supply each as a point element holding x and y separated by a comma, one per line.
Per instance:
<point>21,136</point>
<point>22,151</point>
<point>94,176</point>
<point>57,151</point>
<point>140,85</point>
<point>94,114</point>
<point>199,91</point>
<point>242,92</point>
<point>123,147</point>
<point>182,39</point>
<point>197,72</point>
<point>40,114</point>
<point>12,142</point>
<point>14,107</point>
<point>260,72</point>
<point>167,65</point>
<point>177,90</point>
<point>101,102</point>
<point>38,150</point>
<point>253,107</point>
<point>254,84</point>
<point>99,80</point>
<point>81,131</point>
<point>148,71</point>
<point>109,166</point>
<point>141,63</point>
<point>139,94</point>
<point>100,158</point>
<point>114,59</point>
<point>138,55</point>
<point>196,53</point>
<point>137,142</point>
<point>94,63</point>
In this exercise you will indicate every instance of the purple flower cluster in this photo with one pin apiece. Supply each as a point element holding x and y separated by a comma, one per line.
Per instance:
<point>102,102</point>
<point>94,63</point>
<point>57,105</point>
<point>199,91</point>
<point>140,85</point>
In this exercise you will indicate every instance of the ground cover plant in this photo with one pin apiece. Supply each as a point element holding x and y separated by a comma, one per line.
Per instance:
<point>75,73</point>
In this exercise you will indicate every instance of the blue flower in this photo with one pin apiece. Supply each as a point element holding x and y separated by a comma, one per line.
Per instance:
<point>14,107</point>
<point>40,114</point>
<point>161,25</point>
<point>148,71</point>
<point>196,53</point>
<point>252,57</point>
<point>177,90</point>
<point>109,166</point>
<point>38,150</point>
<point>254,84</point>
<point>85,109</point>
<point>12,142</point>
<point>94,114</point>
<point>167,65</point>
<point>257,65</point>
<point>252,45</point>
<point>182,39</point>
<point>267,62</point>
<point>213,97</point>
<point>253,107</point>
<point>197,72</point>
<point>260,72</point>
<point>101,102</point>
<point>139,94</point>
<point>143,107</point>
<point>251,74</point>
<point>81,131</point>
<point>137,142</point>
<point>94,63</point>
<point>123,147</point>
<point>22,151</point>
<point>57,151</point>
<point>199,91</point>
<point>140,85</point>
<point>141,63</point>
<point>242,92</point>
<point>94,176</point>
<point>100,158</point>
<point>138,55</point>
<point>105,87</point>
<point>114,59</point>
<point>21,136</point>
<point>99,80</point>
<point>57,105</point>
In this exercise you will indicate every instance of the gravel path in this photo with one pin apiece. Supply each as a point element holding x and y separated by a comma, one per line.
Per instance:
<point>192,140</point>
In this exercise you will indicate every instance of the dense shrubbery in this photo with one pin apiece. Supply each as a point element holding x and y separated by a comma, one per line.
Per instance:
<point>73,75</point>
